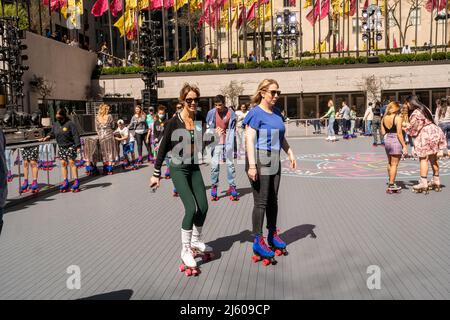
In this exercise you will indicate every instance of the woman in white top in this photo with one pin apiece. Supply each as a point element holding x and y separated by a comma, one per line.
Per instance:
<point>368,117</point>
<point>240,116</point>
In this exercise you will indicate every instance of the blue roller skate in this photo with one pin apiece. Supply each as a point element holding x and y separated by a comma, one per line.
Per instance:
<point>234,195</point>
<point>175,193</point>
<point>167,174</point>
<point>353,135</point>
<point>40,164</point>
<point>75,186</point>
<point>214,196</point>
<point>34,187</point>
<point>262,252</point>
<point>139,161</point>
<point>91,170</point>
<point>150,158</point>
<point>64,187</point>
<point>80,163</point>
<point>126,164</point>
<point>24,187</point>
<point>277,245</point>
<point>109,169</point>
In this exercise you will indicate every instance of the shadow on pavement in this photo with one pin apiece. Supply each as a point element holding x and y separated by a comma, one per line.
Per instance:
<point>115,295</point>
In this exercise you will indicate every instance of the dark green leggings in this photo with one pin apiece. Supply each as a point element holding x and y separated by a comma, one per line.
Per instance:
<point>188,180</point>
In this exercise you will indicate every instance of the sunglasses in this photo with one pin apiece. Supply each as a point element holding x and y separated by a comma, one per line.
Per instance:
<point>189,100</point>
<point>273,92</point>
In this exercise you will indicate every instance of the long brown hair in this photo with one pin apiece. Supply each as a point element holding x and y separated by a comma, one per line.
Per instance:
<point>392,108</point>
<point>263,85</point>
<point>445,103</point>
<point>187,87</point>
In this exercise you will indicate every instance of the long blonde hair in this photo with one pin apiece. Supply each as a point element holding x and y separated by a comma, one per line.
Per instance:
<point>263,85</point>
<point>103,110</point>
<point>392,108</point>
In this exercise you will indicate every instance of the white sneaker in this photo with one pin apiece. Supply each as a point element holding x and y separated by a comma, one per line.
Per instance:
<point>196,241</point>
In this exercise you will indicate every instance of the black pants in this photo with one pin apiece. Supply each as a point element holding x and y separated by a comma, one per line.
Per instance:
<point>140,140</point>
<point>346,126</point>
<point>265,193</point>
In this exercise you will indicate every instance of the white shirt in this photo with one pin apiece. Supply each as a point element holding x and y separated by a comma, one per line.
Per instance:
<point>123,133</point>
<point>368,115</point>
<point>240,116</point>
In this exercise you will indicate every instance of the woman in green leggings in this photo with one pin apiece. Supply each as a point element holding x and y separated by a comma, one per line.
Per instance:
<point>178,137</point>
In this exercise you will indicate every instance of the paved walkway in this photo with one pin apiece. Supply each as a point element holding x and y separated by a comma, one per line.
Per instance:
<point>334,215</point>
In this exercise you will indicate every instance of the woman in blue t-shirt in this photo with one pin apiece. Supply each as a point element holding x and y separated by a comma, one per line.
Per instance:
<point>265,134</point>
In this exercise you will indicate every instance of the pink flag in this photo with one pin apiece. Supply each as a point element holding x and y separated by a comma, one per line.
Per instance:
<point>168,3</point>
<point>241,17</point>
<point>292,3</point>
<point>116,7</point>
<point>314,13</point>
<point>325,9</point>
<point>156,4</point>
<point>352,10</point>
<point>99,8</point>
<point>395,43</point>
<point>366,4</point>
<point>54,4</point>
<point>251,12</point>
<point>435,5</point>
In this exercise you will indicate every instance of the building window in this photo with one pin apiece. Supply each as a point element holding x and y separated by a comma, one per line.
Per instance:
<point>415,14</point>
<point>287,3</point>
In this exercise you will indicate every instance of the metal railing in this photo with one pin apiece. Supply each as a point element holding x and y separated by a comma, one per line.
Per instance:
<point>305,127</point>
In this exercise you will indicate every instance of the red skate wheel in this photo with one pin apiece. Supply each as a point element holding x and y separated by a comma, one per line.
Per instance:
<point>266,262</point>
<point>255,259</point>
<point>182,268</point>
<point>188,272</point>
<point>278,252</point>
<point>195,272</point>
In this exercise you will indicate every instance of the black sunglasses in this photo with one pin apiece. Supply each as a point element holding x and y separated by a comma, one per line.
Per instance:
<point>273,92</point>
<point>189,100</point>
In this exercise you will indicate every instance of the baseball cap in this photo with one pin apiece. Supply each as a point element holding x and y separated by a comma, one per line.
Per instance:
<point>120,121</point>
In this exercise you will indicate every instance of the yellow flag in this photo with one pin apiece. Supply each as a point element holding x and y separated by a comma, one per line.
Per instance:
<point>195,4</point>
<point>191,54</point>
<point>126,21</point>
<point>132,4</point>
<point>337,7</point>
<point>180,3</point>
<point>308,3</point>
<point>142,4</point>
<point>323,46</point>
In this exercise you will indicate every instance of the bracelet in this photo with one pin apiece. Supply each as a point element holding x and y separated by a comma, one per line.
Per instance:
<point>254,167</point>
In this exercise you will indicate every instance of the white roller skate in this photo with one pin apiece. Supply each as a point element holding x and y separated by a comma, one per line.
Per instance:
<point>421,187</point>
<point>188,265</point>
<point>435,184</point>
<point>199,247</point>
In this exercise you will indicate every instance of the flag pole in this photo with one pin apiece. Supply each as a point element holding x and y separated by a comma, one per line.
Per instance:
<point>386,27</point>
<point>357,28</point>
<point>446,26</point>
<point>124,30</point>
<point>230,40</point>
<point>40,16</point>
<point>163,17</point>
<point>348,28</point>
<point>431,26</point>
<point>314,26</point>
<point>415,33</point>
<point>190,30</point>
<point>110,31</point>
<point>301,29</point>
<point>320,31</point>
<point>175,13</point>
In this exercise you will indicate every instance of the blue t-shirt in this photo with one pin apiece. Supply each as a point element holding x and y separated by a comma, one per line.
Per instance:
<point>269,128</point>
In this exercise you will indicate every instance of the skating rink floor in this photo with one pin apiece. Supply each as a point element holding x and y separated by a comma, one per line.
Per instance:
<point>347,238</point>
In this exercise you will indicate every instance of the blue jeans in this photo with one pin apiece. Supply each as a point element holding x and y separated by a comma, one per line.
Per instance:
<point>215,166</point>
<point>331,127</point>
<point>445,126</point>
<point>368,126</point>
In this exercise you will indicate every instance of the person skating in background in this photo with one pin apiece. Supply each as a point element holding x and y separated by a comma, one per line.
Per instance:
<point>428,140</point>
<point>368,117</point>
<point>30,156</point>
<point>139,125</point>
<point>68,140</point>
<point>353,121</point>
<point>442,119</point>
<point>149,140</point>
<point>186,176</point>
<point>395,146</point>
<point>222,121</point>
<point>345,111</point>
<point>265,137</point>
<point>240,132</point>
<point>126,139</point>
<point>104,125</point>
<point>158,133</point>
<point>331,114</point>
<point>3,177</point>
<point>376,124</point>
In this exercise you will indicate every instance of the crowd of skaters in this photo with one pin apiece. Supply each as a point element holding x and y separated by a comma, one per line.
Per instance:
<point>240,133</point>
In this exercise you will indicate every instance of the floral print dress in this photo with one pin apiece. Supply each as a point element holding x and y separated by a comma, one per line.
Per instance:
<point>428,137</point>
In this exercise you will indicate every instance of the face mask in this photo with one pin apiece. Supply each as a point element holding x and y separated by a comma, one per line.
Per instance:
<point>199,109</point>
<point>161,116</point>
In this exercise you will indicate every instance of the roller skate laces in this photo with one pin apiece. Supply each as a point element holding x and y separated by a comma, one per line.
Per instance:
<point>262,252</point>
<point>277,245</point>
